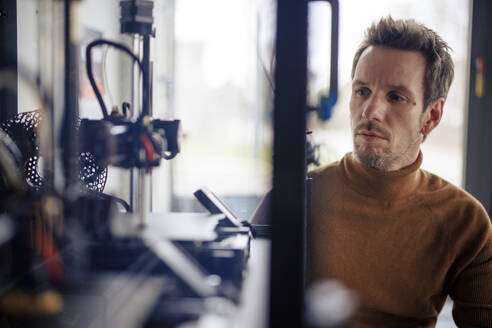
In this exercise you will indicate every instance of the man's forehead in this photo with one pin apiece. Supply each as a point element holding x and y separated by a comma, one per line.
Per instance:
<point>400,69</point>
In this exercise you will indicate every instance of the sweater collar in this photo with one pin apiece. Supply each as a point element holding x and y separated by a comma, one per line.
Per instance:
<point>379,184</point>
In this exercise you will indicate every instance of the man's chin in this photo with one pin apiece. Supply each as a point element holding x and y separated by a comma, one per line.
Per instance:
<point>370,158</point>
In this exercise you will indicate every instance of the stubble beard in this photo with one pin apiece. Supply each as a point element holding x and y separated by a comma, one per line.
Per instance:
<point>380,158</point>
<point>368,155</point>
<point>371,155</point>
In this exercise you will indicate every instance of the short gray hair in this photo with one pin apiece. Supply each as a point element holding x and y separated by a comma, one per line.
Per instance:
<point>406,34</point>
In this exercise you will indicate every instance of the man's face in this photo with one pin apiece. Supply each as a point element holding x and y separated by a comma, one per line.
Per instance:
<point>386,107</point>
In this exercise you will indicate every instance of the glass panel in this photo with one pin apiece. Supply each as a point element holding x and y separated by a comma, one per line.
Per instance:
<point>443,150</point>
<point>223,95</point>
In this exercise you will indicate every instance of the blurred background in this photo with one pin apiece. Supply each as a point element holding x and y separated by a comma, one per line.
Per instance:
<point>213,64</point>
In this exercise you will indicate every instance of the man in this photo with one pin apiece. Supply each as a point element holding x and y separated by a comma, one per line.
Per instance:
<point>402,238</point>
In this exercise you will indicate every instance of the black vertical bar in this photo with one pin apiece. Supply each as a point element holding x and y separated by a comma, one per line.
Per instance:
<point>478,174</point>
<point>289,166</point>
<point>147,101</point>
<point>8,56</point>
<point>69,140</point>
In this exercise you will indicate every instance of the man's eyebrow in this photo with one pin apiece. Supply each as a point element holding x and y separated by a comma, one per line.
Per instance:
<point>401,88</point>
<point>358,82</point>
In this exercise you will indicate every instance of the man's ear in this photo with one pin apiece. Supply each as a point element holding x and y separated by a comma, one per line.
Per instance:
<point>432,116</point>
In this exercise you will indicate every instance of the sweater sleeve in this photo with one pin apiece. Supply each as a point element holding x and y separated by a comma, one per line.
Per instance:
<point>472,290</point>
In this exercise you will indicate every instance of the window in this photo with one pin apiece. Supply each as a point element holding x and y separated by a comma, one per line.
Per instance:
<point>222,95</point>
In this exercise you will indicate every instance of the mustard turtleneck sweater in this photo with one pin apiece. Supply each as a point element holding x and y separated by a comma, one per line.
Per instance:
<point>403,241</point>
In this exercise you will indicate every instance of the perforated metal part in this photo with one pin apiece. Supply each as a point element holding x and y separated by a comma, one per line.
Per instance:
<point>91,174</point>
<point>22,129</point>
<point>31,167</point>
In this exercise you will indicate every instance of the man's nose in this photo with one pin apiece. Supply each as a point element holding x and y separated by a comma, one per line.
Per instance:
<point>374,108</point>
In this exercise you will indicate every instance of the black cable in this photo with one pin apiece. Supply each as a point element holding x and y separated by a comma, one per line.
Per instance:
<point>101,195</point>
<point>126,50</point>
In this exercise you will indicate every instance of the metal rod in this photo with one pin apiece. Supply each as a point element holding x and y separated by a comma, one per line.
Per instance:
<point>143,197</point>
<point>170,93</point>
<point>135,110</point>
<point>45,82</point>
<point>147,101</point>
<point>147,110</point>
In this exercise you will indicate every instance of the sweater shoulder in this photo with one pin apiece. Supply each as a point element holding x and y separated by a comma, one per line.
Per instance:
<point>433,183</point>
<point>437,189</point>
<point>324,179</point>
<point>324,170</point>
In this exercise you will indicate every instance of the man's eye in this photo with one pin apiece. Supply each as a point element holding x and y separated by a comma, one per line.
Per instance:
<point>393,97</point>
<point>362,92</point>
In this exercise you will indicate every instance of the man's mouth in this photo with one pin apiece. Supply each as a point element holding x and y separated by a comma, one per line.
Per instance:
<point>370,136</point>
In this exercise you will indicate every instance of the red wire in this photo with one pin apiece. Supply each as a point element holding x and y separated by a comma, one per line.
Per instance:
<point>49,253</point>
<point>148,147</point>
